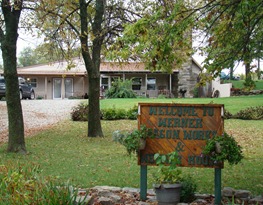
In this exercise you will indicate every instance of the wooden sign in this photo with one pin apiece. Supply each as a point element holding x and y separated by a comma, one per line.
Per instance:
<point>181,127</point>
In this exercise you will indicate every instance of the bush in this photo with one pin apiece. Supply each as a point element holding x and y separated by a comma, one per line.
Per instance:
<point>251,113</point>
<point>161,96</point>
<point>80,112</point>
<point>132,113</point>
<point>119,114</point>
<point>227,114</point>
<point>249,84</point>
<point>196,92</point>
<point>188,189</point>
<point>24,185</point>
<point>113,114</point>
<point>120,89</point>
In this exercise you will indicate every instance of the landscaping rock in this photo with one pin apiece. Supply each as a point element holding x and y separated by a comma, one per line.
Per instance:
<point>109,188</point>
<point>203,196</point>
<point>242,194</point>
<point>151,192</point>
<point>83,200</point>
<point>256,200</point>
<point>228,192</point>
<point>105,201</point>
<point>200,201</point>
<point>130,190</point>
<point>143,203</point>
<point>107,195</point>
<point>104,193</point>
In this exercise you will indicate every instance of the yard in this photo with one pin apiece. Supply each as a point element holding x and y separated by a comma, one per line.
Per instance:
<point>66,152</point>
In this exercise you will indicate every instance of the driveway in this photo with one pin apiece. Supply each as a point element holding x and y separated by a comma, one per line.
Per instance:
<point>37,114</point>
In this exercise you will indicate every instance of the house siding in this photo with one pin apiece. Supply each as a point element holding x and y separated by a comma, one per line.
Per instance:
<point>166,84</point>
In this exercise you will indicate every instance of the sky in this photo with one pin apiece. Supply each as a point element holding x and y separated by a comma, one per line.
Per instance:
<point>32,41</point>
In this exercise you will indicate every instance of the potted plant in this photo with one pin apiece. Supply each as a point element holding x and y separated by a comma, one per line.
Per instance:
<point>135,140</point>
<point>223,148</point>
<point>168,177</point>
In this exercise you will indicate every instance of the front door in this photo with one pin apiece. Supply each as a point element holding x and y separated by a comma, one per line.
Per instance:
<point>62,88</point>
<point>57,87</point>
<point>68,87</point>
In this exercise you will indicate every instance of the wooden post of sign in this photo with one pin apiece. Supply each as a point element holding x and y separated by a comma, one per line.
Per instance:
<point>143,183</point>
<point>217,186</point>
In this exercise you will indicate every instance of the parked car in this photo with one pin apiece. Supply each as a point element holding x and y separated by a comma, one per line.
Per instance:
<point>25,89</point>
<point>224,76</point>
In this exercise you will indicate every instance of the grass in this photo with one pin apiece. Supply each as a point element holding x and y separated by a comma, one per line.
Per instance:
<point>240,84</point>
<point>232,104</point>
<point>65,151</point>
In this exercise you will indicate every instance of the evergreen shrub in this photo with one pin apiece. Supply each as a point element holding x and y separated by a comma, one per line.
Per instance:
<point>251,113</point>
<point>120,89</point>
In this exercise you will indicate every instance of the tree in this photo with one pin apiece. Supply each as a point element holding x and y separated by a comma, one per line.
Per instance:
<point>8,38</point>
<point>27,57</point>
<point>233,31</point>
<point>161,38</point>
<point>91,25</point>
<point>44,53</point>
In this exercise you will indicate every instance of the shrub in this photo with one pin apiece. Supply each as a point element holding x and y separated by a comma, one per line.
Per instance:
<point>188,189</point>
<point>24,185</point>
<point>227,114</point>
<point>120,89</point>
<point>113,114</point>
<point>161,96</point>
<point>196,92</point>
<point>249,84</point>
<point>80,112</point>
<point>132,113</point>
<point>251,113</point>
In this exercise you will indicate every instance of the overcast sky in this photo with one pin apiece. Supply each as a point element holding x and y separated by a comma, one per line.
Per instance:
<point>32,41</point>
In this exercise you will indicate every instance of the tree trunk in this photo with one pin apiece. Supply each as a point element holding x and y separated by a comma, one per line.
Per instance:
<point>94,128</point>
<point>92,64</point>
<point>16,138</point>
<point>231,73</point>
<point>247,67</point>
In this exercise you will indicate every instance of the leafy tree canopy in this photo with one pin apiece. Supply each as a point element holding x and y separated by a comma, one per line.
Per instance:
<point>44,53</point>
<point>161,37</point>
<point>233,33</point>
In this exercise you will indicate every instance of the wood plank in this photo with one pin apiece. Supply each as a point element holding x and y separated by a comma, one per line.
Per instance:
<point>181,127</point>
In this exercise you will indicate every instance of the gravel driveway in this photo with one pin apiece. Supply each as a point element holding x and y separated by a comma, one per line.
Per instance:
<point>38,114</point>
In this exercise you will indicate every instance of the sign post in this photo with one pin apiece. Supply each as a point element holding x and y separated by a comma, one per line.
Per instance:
<point>143,183</point>
<point>184,128</point>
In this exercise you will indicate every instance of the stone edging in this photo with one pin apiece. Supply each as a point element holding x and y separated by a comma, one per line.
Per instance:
<point>110,195</point>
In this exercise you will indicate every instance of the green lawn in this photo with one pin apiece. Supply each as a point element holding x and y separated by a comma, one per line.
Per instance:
<point>240,84</point>
<point>232,104</point>
<point>65,151</point>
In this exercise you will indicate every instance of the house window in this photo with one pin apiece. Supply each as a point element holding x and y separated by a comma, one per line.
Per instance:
<point>136,83</point>
<point>32,82</point>
<point>104,83</point>
<point>151,83</point>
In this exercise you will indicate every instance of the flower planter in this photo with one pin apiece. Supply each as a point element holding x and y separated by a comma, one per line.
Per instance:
<point>168,194</point>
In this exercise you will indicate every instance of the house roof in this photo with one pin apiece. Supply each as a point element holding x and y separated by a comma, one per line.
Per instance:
<point>62,68</point>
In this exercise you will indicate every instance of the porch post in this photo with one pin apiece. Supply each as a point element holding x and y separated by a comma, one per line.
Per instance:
<point>63,88</point>
<point>170,82</point>
<point>146,93</point>
<point>45,95</point>
<point>83,85</point>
